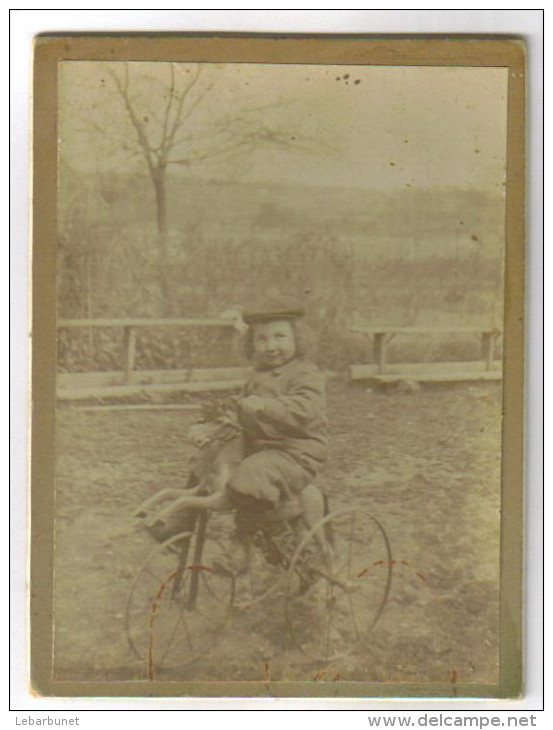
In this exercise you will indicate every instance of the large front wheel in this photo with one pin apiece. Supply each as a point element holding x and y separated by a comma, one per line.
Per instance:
<point>338,584</point>
<point>178,607</point>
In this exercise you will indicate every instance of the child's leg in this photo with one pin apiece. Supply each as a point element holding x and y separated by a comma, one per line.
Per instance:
<point>266,476</point>
<point>262,482</point>
<point>312,502</point>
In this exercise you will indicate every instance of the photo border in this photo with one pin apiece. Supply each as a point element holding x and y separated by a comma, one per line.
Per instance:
<point>50,50</point>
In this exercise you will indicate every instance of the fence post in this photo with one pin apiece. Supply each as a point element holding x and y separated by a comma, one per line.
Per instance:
<point>487,349</point>
<point>379,346</point>
<point>130,352</point>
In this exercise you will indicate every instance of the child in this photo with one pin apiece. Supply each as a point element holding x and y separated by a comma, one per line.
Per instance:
<point>282,411</point>
<point>282,416</point>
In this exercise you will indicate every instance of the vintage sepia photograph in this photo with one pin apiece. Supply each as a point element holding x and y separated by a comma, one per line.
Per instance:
<point>280,337</point>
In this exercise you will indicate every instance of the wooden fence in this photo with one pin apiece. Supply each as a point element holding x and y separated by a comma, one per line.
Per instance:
<point>132,382</point>
<point>129,381</point>
<point>488,368</point>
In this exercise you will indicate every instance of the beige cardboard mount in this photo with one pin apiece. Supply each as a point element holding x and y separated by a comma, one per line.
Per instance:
<point>49,52</point>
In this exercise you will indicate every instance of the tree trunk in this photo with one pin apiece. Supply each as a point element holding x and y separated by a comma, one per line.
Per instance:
<point>158,180</point>
<point>88,288</point>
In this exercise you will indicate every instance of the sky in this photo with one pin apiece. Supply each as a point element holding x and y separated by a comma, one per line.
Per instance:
<point>380,127</point>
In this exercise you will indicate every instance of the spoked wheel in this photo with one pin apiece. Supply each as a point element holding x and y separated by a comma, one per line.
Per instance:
<point>178,606</point>
<point>335,596</point>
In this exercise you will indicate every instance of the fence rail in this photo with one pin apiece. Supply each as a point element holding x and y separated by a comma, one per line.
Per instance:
<point>130,327</point>
<point>129,382</point>
<point>486,369</point>
<point>145,322</point>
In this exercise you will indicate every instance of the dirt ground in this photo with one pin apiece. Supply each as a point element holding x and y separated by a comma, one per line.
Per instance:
<point>425,463</point>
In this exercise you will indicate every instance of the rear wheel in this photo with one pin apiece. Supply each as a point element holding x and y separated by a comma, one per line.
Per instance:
<point>335,595</point>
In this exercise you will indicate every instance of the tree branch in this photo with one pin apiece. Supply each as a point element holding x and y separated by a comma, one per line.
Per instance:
<point>197,100</point>
<point>218,151</point>
<point>177,119</point>
<point>123,89</point>
<point>168,108</point>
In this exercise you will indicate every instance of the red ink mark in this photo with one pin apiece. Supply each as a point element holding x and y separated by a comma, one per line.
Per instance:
<point>454,681</point>
<point>320,676</point>
<point>418,573</point>
<point>155,606</point>
<point>391,563</point>
<point>154,611</point>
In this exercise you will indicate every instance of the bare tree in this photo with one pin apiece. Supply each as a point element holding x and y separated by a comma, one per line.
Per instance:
<point>162,114</point>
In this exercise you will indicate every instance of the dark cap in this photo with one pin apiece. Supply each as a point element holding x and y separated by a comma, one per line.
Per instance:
<point>273,307</point>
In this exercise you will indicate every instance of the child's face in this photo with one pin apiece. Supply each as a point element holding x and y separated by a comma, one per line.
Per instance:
<point>274,342</point>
